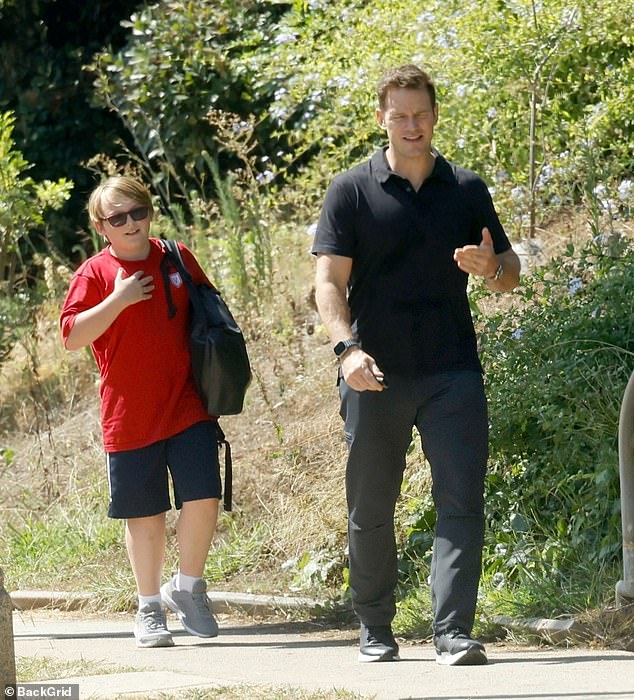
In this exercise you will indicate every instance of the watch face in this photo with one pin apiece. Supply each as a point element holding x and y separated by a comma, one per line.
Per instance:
<point>343,345</point>
<point>339,348</point>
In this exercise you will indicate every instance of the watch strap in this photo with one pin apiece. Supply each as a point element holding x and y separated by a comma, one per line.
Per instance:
<point>343,345</point>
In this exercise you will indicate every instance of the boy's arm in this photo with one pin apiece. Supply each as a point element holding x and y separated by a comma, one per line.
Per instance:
<point>91,323</point>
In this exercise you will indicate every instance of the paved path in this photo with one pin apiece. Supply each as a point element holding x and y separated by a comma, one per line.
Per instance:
<point>304,655</point>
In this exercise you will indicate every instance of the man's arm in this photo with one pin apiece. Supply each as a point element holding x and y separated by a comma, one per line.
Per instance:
<point>331,283</point>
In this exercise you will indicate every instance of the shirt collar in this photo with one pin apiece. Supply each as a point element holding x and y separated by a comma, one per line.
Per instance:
<point>382,171</point>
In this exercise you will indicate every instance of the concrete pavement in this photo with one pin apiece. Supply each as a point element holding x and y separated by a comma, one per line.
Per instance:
<point>305,655</point>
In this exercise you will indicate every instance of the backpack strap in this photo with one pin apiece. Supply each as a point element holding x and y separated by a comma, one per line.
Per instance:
<point>173,254</point>
<point>227,491</point>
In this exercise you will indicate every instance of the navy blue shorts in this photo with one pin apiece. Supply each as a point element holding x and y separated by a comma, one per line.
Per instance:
<point>139,485</point>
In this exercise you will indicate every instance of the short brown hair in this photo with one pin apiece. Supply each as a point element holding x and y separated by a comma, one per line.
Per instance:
<point>406,76</point>
<point>123,185</point>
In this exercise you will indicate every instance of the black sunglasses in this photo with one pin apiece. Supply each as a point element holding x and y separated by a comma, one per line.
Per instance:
<point>137,214</point>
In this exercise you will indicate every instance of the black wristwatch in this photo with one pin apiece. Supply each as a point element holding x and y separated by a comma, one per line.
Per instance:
<point>343,345</point>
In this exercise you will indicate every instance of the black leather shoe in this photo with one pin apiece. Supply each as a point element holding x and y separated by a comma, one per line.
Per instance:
<point>456,648</point>
<point>377,644</point>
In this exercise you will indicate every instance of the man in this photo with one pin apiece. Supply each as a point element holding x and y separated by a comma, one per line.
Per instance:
<point>397,239</point>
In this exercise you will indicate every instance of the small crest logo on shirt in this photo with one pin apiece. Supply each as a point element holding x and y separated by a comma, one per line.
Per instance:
<point>175,279</point>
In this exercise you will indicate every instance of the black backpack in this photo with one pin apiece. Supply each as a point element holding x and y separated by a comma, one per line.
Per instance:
<point>220,363</point>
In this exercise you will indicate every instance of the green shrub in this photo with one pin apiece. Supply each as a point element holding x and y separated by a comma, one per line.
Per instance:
<point>522,88</point>
<point>557,364</point>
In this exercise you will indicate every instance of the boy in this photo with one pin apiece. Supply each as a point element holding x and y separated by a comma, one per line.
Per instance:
<point>151,416</point>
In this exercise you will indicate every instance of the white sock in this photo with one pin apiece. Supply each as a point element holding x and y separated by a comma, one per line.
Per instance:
<point>147,599</point>
<point>186,583</point>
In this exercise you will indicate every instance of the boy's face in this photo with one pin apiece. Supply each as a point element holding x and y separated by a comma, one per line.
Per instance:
<point>128,241</point>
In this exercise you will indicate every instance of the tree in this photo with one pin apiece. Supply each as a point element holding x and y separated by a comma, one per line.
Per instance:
<point>44,46</point>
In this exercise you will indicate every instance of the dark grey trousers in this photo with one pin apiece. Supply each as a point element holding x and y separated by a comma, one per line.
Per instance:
<point>450,412</point>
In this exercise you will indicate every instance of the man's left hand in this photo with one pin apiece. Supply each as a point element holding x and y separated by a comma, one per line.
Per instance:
<point>480,259</point>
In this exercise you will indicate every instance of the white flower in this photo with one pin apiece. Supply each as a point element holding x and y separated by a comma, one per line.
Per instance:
<point>341,81</point>
<point>517,334</point>
<point>498,580</point>
<point>461,90</point>
<point>575,285</point>
<point>626,190</point>
<point>280,114</point>
<point>284,38</point>
<point>545,175</point>
<point>265,177</point>
<point>518,193</point>
<point>239,127</point>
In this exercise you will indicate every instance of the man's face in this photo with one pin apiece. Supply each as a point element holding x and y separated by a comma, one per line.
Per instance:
<point>409,119</point>
<point>129,240</point>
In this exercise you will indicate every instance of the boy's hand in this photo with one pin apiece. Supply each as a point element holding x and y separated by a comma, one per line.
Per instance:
<point>130,290</point>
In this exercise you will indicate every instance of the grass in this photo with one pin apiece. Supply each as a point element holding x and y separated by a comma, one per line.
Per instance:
<point>239,692</point>
<point>42,668</point>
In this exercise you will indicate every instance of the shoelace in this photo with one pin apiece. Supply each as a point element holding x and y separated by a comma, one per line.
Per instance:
<point>153,620</point>
<point>378,634</point>
<point>201,602</point>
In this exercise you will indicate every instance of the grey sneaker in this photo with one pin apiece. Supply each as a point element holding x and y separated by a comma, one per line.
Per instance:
<point>150,629</point>
<point>193,609</point>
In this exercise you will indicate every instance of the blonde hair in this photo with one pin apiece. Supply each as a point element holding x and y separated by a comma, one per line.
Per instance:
<point>123,185</point>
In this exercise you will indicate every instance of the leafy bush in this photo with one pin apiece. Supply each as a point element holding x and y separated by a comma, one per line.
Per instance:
<point>177,67</point>
<point>22,204</point>
<point>557,364</point>
<point>44,45</point>
<point>522,88</point>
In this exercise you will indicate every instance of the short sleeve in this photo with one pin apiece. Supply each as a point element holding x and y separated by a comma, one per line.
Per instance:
<point>83,293</point>
<point>486,215</point>
<point>336,230</point>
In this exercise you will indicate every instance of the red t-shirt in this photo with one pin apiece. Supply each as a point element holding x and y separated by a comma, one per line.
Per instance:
<point>147,390</point>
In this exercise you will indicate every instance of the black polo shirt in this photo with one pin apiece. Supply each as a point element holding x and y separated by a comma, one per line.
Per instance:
<point>407,296</point>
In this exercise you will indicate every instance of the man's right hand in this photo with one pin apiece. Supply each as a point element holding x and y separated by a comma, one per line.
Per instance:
<point>360,371</point>
<point>130,290</point>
